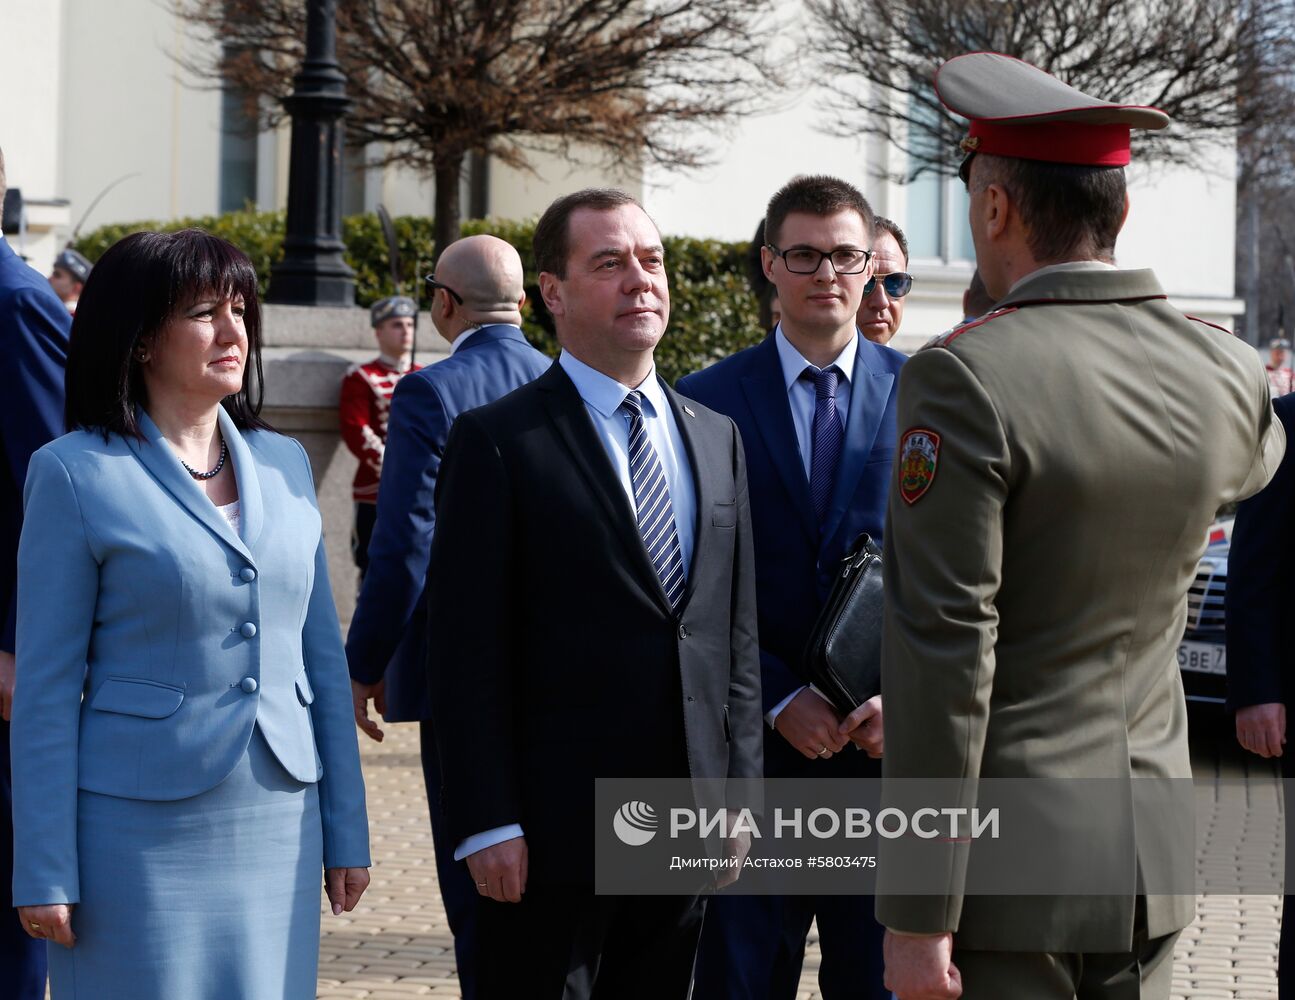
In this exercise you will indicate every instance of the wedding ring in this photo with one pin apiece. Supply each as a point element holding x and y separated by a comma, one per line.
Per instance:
<point>822,750</point>
<point>483,884</point>
<point>33,925</point>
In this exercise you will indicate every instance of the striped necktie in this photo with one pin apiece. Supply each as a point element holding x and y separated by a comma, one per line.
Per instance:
<point>827,436</point>
<point>652,503</point>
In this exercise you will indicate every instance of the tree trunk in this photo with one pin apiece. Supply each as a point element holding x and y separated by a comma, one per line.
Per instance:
<point>449,170</point>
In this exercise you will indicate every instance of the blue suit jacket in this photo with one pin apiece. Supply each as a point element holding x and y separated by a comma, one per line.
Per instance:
<point>181,636</point>
<point>794,562</point>
<point>388,636</point>
<point>34,327</point>
<point>1261,586</point>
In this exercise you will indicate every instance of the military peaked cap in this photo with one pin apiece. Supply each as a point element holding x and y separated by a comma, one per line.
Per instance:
<point>1018,110</point>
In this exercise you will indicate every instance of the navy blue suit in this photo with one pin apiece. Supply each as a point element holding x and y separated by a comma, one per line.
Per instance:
<point>752,947</point>
<point>1261,665</point>
<point>388,635</point>
<point>34,327</point>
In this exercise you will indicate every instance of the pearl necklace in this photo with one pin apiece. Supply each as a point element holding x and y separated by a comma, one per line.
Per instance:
<point>224,453</point>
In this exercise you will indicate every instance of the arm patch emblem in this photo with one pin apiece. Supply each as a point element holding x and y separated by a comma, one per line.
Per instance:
<point>919,455</point>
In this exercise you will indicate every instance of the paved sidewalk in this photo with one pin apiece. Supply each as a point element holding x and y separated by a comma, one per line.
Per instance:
<point>398,945</point>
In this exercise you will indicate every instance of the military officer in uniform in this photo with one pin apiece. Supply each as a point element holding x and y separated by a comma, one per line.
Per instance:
<point>70,273</point>
<point>1042,533</point>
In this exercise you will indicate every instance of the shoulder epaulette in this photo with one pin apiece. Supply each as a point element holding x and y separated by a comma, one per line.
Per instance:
<point>1205,322</point>
<point>948,337</point>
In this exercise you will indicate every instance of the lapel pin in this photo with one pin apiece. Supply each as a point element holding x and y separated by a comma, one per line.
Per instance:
<point>688,410</point>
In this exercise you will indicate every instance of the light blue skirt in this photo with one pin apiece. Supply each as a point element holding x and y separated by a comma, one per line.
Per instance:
<point>214,897</point>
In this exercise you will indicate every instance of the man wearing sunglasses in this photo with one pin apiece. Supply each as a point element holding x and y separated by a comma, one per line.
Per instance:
<point>815,403</point>
<point>477,298</point>
<point>882,309</point>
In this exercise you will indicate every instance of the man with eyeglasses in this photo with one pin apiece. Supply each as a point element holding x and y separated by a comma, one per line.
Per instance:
<point>815,402</point>
<point>882,309</point>
<point>476,308</point>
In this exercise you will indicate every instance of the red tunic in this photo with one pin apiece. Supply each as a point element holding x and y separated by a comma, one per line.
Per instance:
<point>362,412</point>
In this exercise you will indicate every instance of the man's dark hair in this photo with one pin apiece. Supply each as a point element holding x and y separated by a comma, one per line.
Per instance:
<point>815,195</point>
<point>140,283</point>
<point>761,287</point>
<point>551,243</point>
<point>884,225</point>
<point>1071,211</point>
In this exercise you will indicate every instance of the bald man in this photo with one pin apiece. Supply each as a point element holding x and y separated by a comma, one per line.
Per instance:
<point>476,308</point>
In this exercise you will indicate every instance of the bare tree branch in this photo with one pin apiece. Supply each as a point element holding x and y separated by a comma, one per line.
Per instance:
<point>1217,67</point>
<point>436,80</point>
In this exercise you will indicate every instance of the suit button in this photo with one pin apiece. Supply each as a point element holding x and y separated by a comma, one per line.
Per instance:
<point>248,684</point>
<point>247,574</point>
<point>683,632</point>
<point>247,629</point>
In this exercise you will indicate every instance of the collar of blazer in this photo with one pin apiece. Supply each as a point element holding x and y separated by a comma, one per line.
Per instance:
<point>576,429</point>
<point>164,465</point>
<point>490,333</point>
<point>1060,287</point>
<point>871,386</point>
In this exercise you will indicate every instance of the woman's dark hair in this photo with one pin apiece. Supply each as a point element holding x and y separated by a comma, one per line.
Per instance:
<point>136,287</point>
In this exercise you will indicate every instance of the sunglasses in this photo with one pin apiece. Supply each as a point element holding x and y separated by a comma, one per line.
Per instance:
<point>433,284</point>
<point>897,284</point>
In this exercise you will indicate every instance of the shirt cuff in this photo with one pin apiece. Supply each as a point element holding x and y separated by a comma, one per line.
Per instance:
<point>488,838</point>
<point>771,715</point>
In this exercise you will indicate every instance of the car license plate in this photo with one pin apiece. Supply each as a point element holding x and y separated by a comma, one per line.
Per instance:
<point>1203,657</point>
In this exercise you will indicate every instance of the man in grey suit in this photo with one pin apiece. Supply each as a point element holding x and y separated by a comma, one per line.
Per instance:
<point>477,310</point>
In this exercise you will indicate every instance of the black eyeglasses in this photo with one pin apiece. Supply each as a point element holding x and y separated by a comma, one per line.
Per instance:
<point>897,284</point>
<point>807,260</point>
<point>433,284</point>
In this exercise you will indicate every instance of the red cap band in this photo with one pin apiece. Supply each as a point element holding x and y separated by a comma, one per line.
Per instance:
<point>1056,142</point>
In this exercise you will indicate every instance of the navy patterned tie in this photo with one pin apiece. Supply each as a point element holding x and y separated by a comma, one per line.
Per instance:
<point>827,436</point>
<point>652,503</point>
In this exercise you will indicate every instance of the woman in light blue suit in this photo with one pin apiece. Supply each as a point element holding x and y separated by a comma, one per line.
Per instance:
<point>184,759</point>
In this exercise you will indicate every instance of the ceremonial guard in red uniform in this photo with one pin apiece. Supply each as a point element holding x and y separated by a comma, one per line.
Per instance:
<point>70,272</point>
<point>365,404</point>
<point>1280,376</point>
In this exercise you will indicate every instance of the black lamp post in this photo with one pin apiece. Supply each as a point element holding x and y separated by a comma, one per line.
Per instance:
<point>312,272</point>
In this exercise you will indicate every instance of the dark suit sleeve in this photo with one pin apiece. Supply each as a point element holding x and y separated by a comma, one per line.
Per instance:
<point>470,666</point>
<point>402,537</point>
<point>1261,584</point>
<point>746,757</point>
<point>31,392</point>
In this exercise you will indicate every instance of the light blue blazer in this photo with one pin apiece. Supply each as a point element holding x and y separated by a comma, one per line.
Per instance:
<point>152,639</point>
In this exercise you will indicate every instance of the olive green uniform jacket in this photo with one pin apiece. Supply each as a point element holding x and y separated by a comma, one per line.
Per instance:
<point>1084,436</point>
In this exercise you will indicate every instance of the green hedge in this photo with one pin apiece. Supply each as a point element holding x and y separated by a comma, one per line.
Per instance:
<point>712,311</point>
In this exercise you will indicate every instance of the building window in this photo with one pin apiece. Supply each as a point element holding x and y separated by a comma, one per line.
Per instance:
<point>237,152</point>
<point>937,226</point>
<point>936,223</point>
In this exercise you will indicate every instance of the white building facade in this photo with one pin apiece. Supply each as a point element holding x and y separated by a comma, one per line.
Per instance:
<point>103,99</point>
